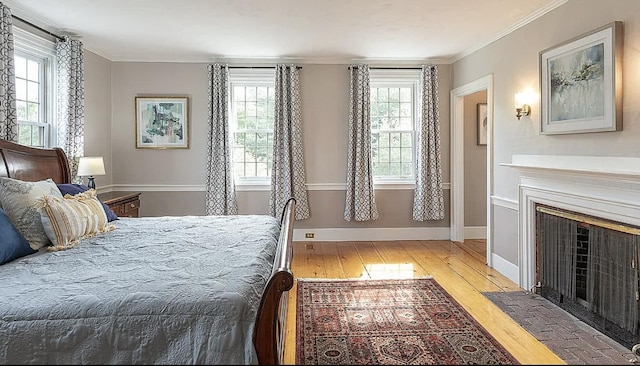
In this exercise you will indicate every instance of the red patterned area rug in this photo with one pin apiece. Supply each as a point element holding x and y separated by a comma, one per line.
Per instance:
<point>388,322</point>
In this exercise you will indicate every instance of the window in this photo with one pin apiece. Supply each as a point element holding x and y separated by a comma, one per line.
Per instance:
<point>252,119</point>
<point>32,130</point>
<point>33,59</point>
<point>394,115</point>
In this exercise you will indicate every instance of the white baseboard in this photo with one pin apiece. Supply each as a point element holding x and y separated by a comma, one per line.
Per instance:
<point>508,269</point>
<point>373,234</point>
<point>475,232</point>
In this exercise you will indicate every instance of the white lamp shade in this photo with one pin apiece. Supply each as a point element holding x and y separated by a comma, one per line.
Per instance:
<point>90,165</point>
<point>524,97</point>
<point>519,100</point>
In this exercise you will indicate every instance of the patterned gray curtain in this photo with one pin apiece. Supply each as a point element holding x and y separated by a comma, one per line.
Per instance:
<point>287,173</point>
<point>428,199</point>
<point>221,193</point>
<point>8,119</point>
<point>360,202</point>
<point>70,60</point>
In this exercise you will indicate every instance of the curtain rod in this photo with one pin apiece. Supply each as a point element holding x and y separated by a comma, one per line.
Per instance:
<point>257,67</point>
<point>393,68</point>
<point>38,27</point>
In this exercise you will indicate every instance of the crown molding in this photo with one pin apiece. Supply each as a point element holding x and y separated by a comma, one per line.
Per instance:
<point>47,24</point>
<point>51,26</point>
<point>524,21</point>
<point>18,10</point>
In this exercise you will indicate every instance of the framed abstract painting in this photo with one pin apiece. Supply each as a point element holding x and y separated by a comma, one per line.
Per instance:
<point>162,122</point>
<point>581,83</point>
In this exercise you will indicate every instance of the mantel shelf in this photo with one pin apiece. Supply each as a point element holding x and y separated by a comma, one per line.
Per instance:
<point>591,165</point>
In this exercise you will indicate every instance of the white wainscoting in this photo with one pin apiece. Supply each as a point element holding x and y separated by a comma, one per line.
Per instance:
<point>324,234</point>
<point>505,202</point>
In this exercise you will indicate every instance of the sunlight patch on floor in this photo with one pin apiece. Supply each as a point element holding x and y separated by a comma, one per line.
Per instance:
<point>388,270</point>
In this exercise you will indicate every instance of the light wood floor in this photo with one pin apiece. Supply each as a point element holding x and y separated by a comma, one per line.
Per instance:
<point>458,267</point>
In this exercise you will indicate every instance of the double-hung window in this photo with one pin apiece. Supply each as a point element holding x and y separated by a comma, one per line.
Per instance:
<point>394,118</point>
<point>252,94</point>
<point>33,59</point>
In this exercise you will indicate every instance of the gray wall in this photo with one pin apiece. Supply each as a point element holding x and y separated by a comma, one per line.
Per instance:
<point>475,164</point>
<point>173,180</point>
<point>513,61</point>
<point>97,85</point>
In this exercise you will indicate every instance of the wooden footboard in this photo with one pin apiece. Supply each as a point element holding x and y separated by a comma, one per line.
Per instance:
<point>269,332</point>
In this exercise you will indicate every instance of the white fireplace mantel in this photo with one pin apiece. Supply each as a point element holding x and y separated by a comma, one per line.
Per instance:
<point>590,165</point>
<point>601,186</point>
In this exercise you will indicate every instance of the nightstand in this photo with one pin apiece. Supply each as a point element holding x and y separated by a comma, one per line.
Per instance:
<point>123,204</point>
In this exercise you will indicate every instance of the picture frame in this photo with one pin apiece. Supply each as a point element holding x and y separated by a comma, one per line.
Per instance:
<point>482,124</point>
<point>162,122</point>
<point>581,83</point>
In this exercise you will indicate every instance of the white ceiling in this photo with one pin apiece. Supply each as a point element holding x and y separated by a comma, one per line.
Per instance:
<point>322,31</point>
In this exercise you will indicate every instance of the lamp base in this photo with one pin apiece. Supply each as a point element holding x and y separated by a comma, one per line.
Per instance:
<point>525,110</point>
<point>92,183</point>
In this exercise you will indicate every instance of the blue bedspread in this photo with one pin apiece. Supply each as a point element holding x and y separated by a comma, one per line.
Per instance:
<point>156,290</point>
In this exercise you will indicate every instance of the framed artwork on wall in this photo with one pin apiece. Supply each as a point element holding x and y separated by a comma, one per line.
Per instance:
<point>482,124</point>
<point>581,83</point>
<point>162,122</point>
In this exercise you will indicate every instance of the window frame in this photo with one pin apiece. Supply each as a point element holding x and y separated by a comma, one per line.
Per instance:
<point>258,77</point>
<point>35,48</point>
<point>389,78</point>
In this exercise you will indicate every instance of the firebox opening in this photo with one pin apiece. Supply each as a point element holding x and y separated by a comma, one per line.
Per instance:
<point>587,266</point>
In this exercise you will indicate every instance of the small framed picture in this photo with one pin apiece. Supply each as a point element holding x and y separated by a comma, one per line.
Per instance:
<point>162,122</point>
<point>581,83</point>
<point>482,123</point>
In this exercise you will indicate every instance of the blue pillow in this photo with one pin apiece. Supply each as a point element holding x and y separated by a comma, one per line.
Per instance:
<point>12,244</point>
<point>73,189</point>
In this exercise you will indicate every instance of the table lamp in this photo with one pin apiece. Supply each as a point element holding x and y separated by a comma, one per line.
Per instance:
<point>88,166</point>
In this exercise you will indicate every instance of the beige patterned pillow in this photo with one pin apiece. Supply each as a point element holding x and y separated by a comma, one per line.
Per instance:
<point>69,219</point>
<point>17,199</point>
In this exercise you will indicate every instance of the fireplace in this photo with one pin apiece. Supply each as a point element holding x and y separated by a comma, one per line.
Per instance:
<point>588,267</point>
<point>602,188</point>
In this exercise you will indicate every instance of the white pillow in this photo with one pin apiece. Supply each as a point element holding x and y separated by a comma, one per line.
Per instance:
<point>17,198</point>
<point>70,219</point>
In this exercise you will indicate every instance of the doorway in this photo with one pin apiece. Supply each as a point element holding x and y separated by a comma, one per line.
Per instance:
<point>457,159</point>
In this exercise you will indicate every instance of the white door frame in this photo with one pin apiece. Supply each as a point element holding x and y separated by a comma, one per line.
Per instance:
<point>457,158</point>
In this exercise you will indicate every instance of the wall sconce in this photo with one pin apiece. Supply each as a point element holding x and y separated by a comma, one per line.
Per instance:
<point>522,105</point>
<point>90,166</point>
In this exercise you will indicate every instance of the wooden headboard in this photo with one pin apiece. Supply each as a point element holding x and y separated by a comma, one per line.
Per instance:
<point>33,164</point>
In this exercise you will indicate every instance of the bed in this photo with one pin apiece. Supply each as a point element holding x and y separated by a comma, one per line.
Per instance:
<point>155,290</point>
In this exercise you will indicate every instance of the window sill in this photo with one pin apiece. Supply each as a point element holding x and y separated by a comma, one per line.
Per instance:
<point>393,184</point>
<point>252,186</point>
